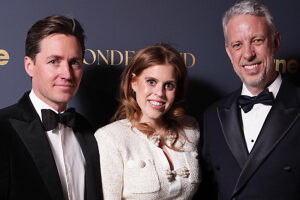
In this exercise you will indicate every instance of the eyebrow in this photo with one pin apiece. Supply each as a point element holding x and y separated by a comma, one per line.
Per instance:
<point>233,42</point>
<point>171,80</point>
<point>149,77</point>
<point>54,56</point>
<point>60,57</point>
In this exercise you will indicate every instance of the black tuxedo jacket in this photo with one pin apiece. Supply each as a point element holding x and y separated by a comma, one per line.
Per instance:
<point>272,169</point>
<point>27,166</point>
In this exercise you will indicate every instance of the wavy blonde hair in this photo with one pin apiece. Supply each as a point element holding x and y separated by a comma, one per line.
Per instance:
<point>161,54</point>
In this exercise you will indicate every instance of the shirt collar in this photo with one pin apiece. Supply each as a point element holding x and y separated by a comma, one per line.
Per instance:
<point>274,87</point>
<point>39,104</point>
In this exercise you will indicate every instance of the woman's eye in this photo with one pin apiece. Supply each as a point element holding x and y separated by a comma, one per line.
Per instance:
<point>169,86</point>
<point>151,82</point>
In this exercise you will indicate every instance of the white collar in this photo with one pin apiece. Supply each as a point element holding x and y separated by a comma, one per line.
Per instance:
<point>39,104</point>
<point>274,87</point>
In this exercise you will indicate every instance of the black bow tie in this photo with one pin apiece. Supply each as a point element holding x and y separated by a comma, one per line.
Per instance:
<point>51,119</point>
<point>247,103</point>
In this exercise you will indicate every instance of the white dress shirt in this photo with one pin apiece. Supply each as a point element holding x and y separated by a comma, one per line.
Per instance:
<point>255,118</point>
<point>67,154</point>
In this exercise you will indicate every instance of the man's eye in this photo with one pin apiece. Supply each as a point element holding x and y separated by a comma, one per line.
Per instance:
<point>75,62</point>
<point>258,40</point>
<point>236,45</point>
<point>53,62</point>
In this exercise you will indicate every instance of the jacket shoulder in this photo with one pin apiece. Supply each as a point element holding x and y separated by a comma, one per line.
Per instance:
<point>114,128</point>
<point>226,101</point>
<point>8,112</point>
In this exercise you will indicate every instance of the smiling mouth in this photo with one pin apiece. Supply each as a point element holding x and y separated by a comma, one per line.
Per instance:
<point>156,103</point>
<point>250,66</point>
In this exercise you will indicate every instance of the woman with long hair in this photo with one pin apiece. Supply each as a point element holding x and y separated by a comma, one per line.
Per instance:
<point>149,151</point>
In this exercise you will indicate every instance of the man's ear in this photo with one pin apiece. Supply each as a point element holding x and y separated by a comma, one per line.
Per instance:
<point>228,51</point>
<point>277,39</point>
<point>29,66</point>
<point>133,82</point>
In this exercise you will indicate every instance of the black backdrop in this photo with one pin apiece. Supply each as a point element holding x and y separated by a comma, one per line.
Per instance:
<point>115,29</point>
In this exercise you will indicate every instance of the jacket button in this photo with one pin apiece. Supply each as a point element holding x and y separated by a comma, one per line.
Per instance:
<point>142,164</point>
<point>287,168</point>
<point>217,167</point>
<point>195,154</point>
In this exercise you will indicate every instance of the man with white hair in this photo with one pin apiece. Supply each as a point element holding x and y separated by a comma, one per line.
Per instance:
<point>251,138</point>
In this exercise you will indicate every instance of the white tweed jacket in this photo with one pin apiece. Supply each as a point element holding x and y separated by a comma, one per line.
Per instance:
<point>133,167</point>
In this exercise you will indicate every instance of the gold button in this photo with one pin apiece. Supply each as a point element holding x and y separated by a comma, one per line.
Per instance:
<point>195,154</point>
<point>142,164</point>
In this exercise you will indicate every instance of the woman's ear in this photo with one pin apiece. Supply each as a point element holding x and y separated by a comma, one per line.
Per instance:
<point>133,82</point>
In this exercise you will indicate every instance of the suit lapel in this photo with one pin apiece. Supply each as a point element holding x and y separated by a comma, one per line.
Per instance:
<point>30,129</point>
<point>281,117</point>
<point>89,149</point>
<point>231,126</point>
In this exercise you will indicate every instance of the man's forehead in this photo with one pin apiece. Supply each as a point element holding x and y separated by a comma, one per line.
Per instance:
<point>57,42</point>
<point>246,17</point>
<point>247,22</point>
